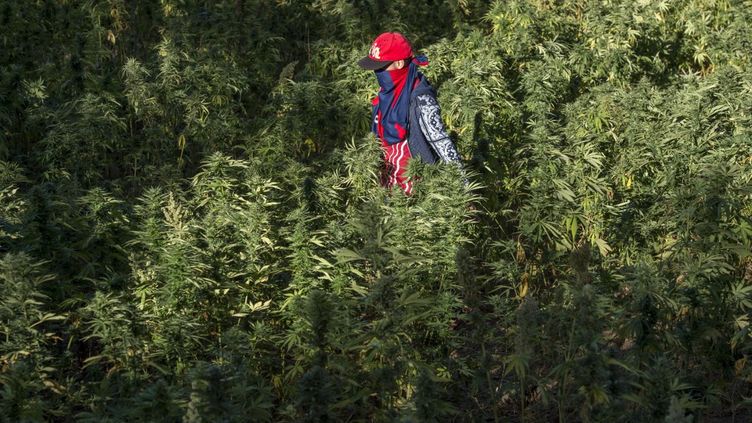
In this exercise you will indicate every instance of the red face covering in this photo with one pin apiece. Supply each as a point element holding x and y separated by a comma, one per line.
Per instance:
<point>394,100</point>
<point>399,77</point>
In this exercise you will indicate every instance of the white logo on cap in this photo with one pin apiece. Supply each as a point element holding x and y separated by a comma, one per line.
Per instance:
<point>375,51</point>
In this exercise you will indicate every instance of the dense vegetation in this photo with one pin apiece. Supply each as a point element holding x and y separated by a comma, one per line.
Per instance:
<point>192,228</point>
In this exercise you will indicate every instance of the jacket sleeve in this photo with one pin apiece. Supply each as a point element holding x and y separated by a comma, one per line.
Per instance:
<point>429,117</point>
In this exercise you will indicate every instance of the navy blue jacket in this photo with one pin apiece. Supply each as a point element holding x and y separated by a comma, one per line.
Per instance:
<point>427,137</point>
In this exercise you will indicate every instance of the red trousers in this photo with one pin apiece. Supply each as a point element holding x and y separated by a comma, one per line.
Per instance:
<point>396,157</point>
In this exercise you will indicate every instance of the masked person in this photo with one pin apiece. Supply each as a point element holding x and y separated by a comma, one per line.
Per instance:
<point>406,115</point>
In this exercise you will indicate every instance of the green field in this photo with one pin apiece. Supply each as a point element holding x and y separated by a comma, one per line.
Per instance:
<point>192,227</point>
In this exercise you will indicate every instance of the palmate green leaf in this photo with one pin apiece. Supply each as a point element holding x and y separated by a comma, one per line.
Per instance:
<point>603,247</point>
<point>518,364</point>
<point>344,255</point>
<point>249,308</point>
<point>742,294</point>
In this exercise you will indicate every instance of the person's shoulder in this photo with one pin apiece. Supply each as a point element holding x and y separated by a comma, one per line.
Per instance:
<point>423,87</point>
<point>424,80</point>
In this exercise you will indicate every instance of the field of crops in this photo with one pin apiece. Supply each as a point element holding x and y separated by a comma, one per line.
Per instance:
<point>192,227</point>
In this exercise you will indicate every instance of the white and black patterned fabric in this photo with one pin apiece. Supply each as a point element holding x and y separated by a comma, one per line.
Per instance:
<point>428,139</point>
<point>433,129</point>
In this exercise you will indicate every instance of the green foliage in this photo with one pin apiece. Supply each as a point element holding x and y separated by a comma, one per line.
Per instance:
<point>192,227</point>
<point>13,205</point>
<point>28,331</point>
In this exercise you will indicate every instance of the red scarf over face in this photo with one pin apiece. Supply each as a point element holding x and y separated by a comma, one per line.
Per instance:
<point>391,110</point>
<point>399,77</point>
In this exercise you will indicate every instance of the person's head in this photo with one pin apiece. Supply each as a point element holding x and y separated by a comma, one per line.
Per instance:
<point>397,64</point>
<point>389,51</point>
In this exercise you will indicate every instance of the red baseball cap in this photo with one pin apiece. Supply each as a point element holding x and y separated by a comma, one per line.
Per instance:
<point>386,48</point>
